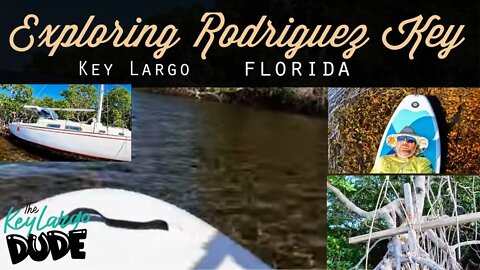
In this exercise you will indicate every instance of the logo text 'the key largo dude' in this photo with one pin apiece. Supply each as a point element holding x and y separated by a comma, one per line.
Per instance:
<point>55,242</point>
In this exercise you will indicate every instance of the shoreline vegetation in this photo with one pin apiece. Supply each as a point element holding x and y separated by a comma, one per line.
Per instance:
<point>4,130</point>
<point>309,101</point>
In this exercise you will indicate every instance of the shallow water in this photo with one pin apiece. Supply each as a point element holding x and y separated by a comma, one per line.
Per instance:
<point>256,175</point>
<point>9,151</point>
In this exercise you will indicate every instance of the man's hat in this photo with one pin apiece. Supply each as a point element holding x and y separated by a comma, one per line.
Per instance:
<point>422,142</point>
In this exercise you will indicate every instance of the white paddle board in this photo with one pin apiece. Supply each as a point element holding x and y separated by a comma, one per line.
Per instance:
<point>415,111</point>
<point>187,243</point>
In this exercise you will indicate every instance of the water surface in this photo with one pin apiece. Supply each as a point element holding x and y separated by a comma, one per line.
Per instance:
<point>256,175</point>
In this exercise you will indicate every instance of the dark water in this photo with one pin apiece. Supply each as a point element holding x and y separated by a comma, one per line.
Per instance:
<point>256,175</point>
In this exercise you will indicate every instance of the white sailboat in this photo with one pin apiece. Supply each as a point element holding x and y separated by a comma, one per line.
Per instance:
<point>92,140</point>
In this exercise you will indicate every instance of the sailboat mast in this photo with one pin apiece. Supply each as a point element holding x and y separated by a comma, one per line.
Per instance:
<point>100,103</point>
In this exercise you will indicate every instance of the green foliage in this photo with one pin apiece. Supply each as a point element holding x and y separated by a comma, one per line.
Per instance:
<point>339,253</point>
<point>342,184</point>
<point>117,108</point>
<point>46,102</point>
<point>12,101</point>
<point>78,96</point>
<point>223,89</point>
<point>20,93</point>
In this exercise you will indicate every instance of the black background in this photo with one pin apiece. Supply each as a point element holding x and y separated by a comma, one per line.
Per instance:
<point>371,65</point>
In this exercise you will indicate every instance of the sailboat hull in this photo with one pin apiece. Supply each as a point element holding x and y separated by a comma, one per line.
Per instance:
<point>91,145</point>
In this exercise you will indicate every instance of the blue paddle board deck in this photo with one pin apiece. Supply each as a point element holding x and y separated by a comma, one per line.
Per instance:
<point>415,111</point>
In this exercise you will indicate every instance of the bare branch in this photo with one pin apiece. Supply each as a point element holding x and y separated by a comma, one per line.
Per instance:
<point>382,212</point>
<point>385,264</point>
<point>466,243</point>
<point>437,241</point>
<point>365,256</point>
<point>419,195</point>
<point>422,261</point>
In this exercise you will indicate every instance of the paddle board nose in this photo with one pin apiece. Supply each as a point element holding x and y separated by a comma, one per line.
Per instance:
<point>124,230</point>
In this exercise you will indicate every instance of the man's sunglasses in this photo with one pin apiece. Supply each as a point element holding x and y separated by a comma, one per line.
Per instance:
<point>409,139</point>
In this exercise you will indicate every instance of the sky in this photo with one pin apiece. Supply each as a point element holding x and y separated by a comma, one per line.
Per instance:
<point>54,90</point>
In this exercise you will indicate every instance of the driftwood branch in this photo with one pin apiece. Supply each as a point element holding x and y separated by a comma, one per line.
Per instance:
<point>383,212</point>
<point>385,264</point>
<point>422,261</point>
<point>419,196</point>
<point>419,227</point>
<point>411,218</point>
<point>466,243</point>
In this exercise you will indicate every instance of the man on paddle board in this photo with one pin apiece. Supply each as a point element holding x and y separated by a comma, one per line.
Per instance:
<point>407,146</point>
